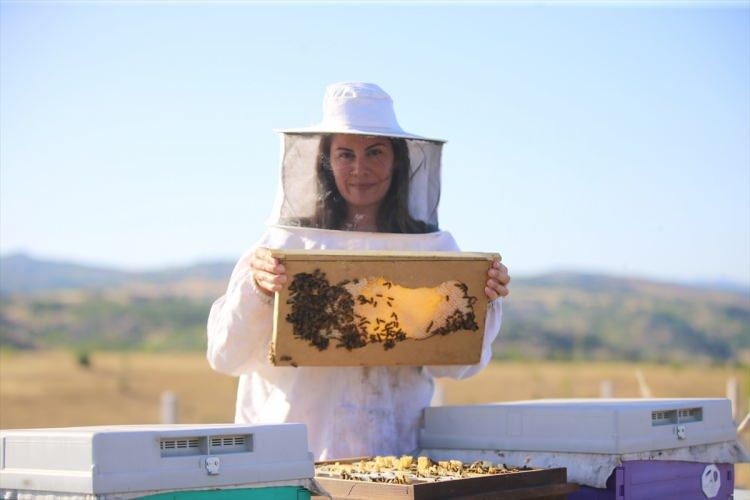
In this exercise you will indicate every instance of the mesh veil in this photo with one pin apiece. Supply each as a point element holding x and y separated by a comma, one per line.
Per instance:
<point>300,194</point>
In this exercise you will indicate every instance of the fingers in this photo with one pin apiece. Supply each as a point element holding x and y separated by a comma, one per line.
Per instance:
<point>495,289</point>
<point>269,281</point>
<point>268,273</point>
<point>263,260</point>
<point>499,272</point>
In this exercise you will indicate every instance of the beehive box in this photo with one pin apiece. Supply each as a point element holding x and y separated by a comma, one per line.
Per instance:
<point>623,449</point>
<point>529,483</point>
<point>179,461</point>
<point>380,308</point>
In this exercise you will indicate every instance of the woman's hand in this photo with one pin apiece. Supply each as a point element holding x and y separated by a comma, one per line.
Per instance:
<point>497,284</point>
<point>268,274</point>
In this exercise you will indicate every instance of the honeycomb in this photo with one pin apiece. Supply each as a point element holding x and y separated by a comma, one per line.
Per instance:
<point>406,470</point>
<point>418,311</point>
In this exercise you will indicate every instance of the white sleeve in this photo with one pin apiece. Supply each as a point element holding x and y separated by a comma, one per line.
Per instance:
<point>240,323</point>
<point>492,324</point>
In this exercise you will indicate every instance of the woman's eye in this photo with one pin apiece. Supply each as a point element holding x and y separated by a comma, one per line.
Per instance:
<point>345,155</point>
<point>374,152</point>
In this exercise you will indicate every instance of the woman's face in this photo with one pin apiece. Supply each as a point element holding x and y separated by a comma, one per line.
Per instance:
<point>362,168</point>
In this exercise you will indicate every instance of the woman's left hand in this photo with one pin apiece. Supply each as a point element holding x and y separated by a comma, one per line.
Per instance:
<point>497,284</point>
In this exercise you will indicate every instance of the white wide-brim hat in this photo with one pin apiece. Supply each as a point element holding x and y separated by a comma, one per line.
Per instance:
<point>358,108</point>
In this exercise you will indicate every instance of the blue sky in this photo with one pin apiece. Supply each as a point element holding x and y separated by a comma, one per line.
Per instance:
<point>598,138</point>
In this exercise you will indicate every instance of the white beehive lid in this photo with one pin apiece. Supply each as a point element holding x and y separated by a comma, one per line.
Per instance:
<point>579,425</point>
<point>132,458</point>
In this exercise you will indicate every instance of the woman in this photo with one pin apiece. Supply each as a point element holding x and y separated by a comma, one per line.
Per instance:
<point>356,181</point>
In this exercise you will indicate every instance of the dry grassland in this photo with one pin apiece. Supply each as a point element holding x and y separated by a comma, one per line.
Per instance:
<point>49,389</point>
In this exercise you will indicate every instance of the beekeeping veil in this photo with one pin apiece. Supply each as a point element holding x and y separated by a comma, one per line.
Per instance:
<point>351,108</point>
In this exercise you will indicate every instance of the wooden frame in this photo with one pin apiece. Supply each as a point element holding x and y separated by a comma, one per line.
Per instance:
<point>534,483</point>
<point>412,284</point>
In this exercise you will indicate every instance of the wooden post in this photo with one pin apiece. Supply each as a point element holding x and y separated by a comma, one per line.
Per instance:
<point>438,397</point>
<point>643,387</point>
<point>733,394</point>
<point>169,403</point>
<point>744,425</point>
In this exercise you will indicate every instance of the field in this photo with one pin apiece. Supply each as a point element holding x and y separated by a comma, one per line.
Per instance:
<point>554,316</point>
<point>52,389</point>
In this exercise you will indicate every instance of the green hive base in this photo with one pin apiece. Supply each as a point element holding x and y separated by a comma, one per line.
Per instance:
<point>271,493</point>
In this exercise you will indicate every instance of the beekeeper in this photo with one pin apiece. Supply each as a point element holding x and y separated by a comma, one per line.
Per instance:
<point>356,181</point>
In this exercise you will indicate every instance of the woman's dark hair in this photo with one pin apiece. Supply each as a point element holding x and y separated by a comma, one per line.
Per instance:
<point>393,214</point>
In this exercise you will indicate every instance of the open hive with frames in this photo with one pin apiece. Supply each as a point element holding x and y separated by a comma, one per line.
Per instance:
<point>422,478</point>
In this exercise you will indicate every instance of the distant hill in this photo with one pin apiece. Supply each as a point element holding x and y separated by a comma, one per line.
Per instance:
<point>556,315</point>
<point>21,273</point>
<point>598,317</point>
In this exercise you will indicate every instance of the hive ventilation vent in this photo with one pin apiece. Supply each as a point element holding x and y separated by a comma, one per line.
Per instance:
<point>231,444</point>
<point>175,447</point>
<point>690,415</point>
<point>208,445</point>
<point>681,416</point>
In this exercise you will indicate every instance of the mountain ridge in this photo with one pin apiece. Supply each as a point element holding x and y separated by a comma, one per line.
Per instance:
<point>22,273</point>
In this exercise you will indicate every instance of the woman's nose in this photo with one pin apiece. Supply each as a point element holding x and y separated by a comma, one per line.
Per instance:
<point>358,165</point>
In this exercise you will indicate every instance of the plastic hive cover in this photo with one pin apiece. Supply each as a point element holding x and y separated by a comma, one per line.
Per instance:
<point>579,425</point>
<point>134,458</point>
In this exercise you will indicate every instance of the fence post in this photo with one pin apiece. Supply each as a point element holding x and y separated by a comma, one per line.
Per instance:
<point>733,394</point>
<point>438,397</point>
<point>169,403</point>
<point>643,387</point>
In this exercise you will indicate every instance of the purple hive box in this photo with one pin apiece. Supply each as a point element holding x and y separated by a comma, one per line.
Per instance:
<point>664,480</point>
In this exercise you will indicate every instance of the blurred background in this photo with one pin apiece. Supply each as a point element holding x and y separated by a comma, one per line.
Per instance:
<point>602,149</point>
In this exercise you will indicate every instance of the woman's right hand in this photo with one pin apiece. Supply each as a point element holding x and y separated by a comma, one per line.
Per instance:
<point>268,273</point>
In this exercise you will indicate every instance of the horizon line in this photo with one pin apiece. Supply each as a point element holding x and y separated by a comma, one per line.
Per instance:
<point>715,282</point>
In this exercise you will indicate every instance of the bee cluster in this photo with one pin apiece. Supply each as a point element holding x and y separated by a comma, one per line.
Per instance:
<point>406,470</point>
<point>321,311</point>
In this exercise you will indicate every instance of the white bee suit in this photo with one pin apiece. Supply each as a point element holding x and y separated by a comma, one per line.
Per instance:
<point>349,411</point>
